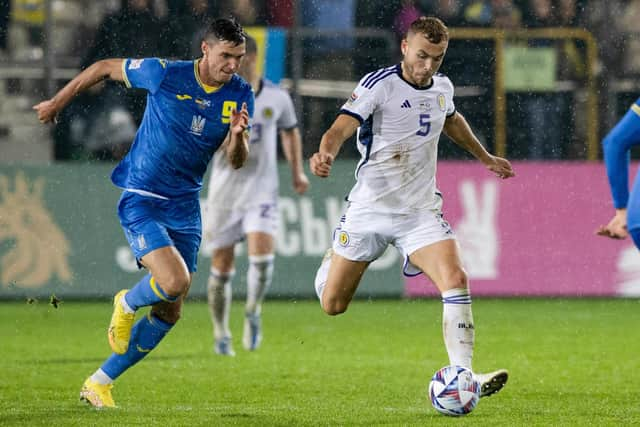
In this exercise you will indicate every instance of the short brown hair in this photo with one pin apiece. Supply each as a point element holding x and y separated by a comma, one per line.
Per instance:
<point>433,29</point>
<point>225,30</point>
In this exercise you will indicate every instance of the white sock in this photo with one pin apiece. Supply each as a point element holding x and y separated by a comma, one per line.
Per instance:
<point>259,278</point>
<point>322,274</point>
<point>125,306</point>
<point>101,378</point>
<point>457,326</point>
<point>219,297</point>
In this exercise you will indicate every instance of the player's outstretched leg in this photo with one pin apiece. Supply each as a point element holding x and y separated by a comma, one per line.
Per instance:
<point>219,299</point>
<point>259,279</point>
<point>145,336</point>
<point>125,303</point>
<point>457,326</point>
<point>459,337</point>
<point>322,274</point>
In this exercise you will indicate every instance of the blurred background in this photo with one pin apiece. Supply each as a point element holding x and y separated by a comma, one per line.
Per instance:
<point>572,64</point>
<point>541,82</point>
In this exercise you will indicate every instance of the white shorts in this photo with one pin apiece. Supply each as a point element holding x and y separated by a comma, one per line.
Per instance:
<point>223,227</point>
<point>364,235</point>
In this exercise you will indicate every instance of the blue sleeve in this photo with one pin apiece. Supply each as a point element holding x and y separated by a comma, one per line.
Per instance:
<point>616,146</point>
<point>146,73</point>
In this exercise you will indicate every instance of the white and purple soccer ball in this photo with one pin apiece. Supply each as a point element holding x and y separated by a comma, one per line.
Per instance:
<point>454,391</point>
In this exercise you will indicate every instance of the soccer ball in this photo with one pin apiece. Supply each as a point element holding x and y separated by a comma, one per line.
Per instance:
<point>454,391</point>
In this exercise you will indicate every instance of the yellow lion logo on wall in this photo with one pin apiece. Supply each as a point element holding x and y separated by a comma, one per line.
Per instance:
<point>38,249</point>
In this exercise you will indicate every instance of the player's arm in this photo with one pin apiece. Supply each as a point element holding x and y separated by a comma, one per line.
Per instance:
<point>617,227</point>
<point>616,148</point>
<point>96,72</point>
<point>457,128</point>
<point>292,148</point>
<point>237,144</point>
<point>342,128</point>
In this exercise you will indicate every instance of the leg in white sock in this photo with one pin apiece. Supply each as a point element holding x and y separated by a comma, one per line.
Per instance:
<point>322,274</point>
<point>258,282</point>
<point>457,326</point>
<point>259,279</point>
<point>219,298</point>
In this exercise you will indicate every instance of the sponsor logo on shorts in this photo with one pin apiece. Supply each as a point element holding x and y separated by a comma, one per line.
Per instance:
<point>343,238</point>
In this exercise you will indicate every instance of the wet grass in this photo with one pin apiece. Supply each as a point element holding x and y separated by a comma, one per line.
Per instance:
<point>572,362</point>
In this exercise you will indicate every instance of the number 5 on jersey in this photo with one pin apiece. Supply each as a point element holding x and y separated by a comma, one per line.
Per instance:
<point>425,125</point>
<point>227,108</point>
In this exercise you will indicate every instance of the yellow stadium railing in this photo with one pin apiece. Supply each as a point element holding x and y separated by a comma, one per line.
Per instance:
<point>499,96</point>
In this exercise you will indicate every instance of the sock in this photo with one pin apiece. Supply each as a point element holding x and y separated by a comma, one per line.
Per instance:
<point>146,292</point>
<point>219,297</point>
<point>457,326</point>
<point>100,377</point>
<point>322,274</point>
<point>259,278</point>
<point>145,336</point>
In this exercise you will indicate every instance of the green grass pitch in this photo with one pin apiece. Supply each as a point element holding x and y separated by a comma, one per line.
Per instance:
<point>572,362</point>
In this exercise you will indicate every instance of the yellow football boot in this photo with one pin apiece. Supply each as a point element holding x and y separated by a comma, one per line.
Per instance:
<point>120,326</point>
<point>97,395</point>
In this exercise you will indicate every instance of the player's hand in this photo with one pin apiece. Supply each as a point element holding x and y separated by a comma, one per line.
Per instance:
<point>300,183</point>
<point>321,164</point>
<point>501,167</point>
<point>239,120</point>
<point>47,111</point>
<point>617,227</point>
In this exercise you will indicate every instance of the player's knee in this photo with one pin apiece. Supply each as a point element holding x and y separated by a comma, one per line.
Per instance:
<point>457,279</point>
<point>176,284</point>
<point>334,306</point>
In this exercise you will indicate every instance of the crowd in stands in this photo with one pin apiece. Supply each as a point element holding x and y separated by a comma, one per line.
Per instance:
<point>172,29</point>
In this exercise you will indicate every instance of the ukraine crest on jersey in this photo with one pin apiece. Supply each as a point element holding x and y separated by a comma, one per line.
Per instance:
<point>184,123</point>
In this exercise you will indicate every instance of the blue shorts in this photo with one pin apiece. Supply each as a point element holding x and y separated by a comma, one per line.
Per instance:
<point>150,223</point>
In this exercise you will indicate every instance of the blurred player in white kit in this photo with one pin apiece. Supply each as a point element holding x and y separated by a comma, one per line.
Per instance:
<point>242,203</point>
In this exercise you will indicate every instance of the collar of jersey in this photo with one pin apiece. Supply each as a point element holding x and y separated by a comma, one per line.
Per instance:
<point>203,85</point>
<point>399,71</point>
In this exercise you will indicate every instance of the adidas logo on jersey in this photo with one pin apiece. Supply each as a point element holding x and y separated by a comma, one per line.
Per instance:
<point>405,104</point>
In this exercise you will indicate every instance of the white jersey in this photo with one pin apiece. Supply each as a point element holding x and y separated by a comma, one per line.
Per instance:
<point>256,181</point>
<point>400,125</point>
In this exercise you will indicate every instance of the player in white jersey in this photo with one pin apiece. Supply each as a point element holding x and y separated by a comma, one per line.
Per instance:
<point>242,202</point>
<point>399,113</point>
